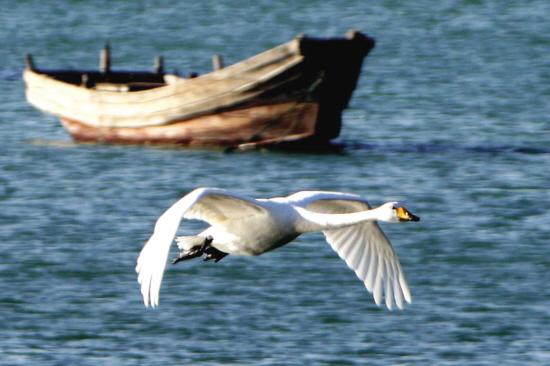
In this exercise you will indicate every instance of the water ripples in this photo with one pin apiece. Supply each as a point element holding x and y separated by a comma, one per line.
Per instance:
<point>448,117</point>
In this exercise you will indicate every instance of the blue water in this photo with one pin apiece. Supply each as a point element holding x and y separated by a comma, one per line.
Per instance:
<point>451,116</point>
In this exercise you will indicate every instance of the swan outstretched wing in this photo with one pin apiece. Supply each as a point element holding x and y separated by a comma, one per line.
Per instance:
<point>208,204</point>
<point>366,249</point>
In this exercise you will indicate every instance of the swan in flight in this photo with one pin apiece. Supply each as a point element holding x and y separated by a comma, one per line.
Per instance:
<point>246,226</point>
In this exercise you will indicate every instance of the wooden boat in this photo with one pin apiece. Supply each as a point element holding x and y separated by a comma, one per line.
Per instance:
<point>295,92</point>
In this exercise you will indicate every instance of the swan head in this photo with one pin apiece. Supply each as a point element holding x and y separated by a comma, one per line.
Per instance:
<point>395,212</point>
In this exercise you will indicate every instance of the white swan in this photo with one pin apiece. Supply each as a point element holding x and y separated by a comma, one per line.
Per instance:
<point>247,226</point>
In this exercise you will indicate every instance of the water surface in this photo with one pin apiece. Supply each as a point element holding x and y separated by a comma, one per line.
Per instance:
<point>450,117</point>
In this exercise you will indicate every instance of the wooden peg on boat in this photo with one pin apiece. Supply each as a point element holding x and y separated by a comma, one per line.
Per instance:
<point>29,62</point>
<point>85,80</point>
<point>105,59</point>
<point>217,62</point>
<point>159,65</point>
<point>352,34</point>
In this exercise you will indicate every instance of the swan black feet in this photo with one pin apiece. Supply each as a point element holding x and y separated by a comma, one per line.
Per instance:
<point>213,253</point>
<point>210,252</point>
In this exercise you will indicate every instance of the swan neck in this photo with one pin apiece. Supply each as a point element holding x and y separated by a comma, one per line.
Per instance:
<point>319,221</point>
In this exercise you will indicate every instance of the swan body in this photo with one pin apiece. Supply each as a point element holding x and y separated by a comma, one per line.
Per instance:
<point>246,226</point>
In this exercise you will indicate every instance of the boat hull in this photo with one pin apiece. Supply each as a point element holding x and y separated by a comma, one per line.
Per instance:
<point>247,127</point>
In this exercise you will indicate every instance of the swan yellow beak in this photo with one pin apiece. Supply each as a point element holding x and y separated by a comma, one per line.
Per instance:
<point>405,215</point>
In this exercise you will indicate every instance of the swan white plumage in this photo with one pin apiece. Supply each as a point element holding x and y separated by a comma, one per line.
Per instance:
<point>247,226</point>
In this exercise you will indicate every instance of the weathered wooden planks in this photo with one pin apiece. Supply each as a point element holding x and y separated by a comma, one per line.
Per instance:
<point>226,106</point>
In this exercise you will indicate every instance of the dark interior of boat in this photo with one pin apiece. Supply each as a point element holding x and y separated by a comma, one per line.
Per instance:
<point>114,80</point>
